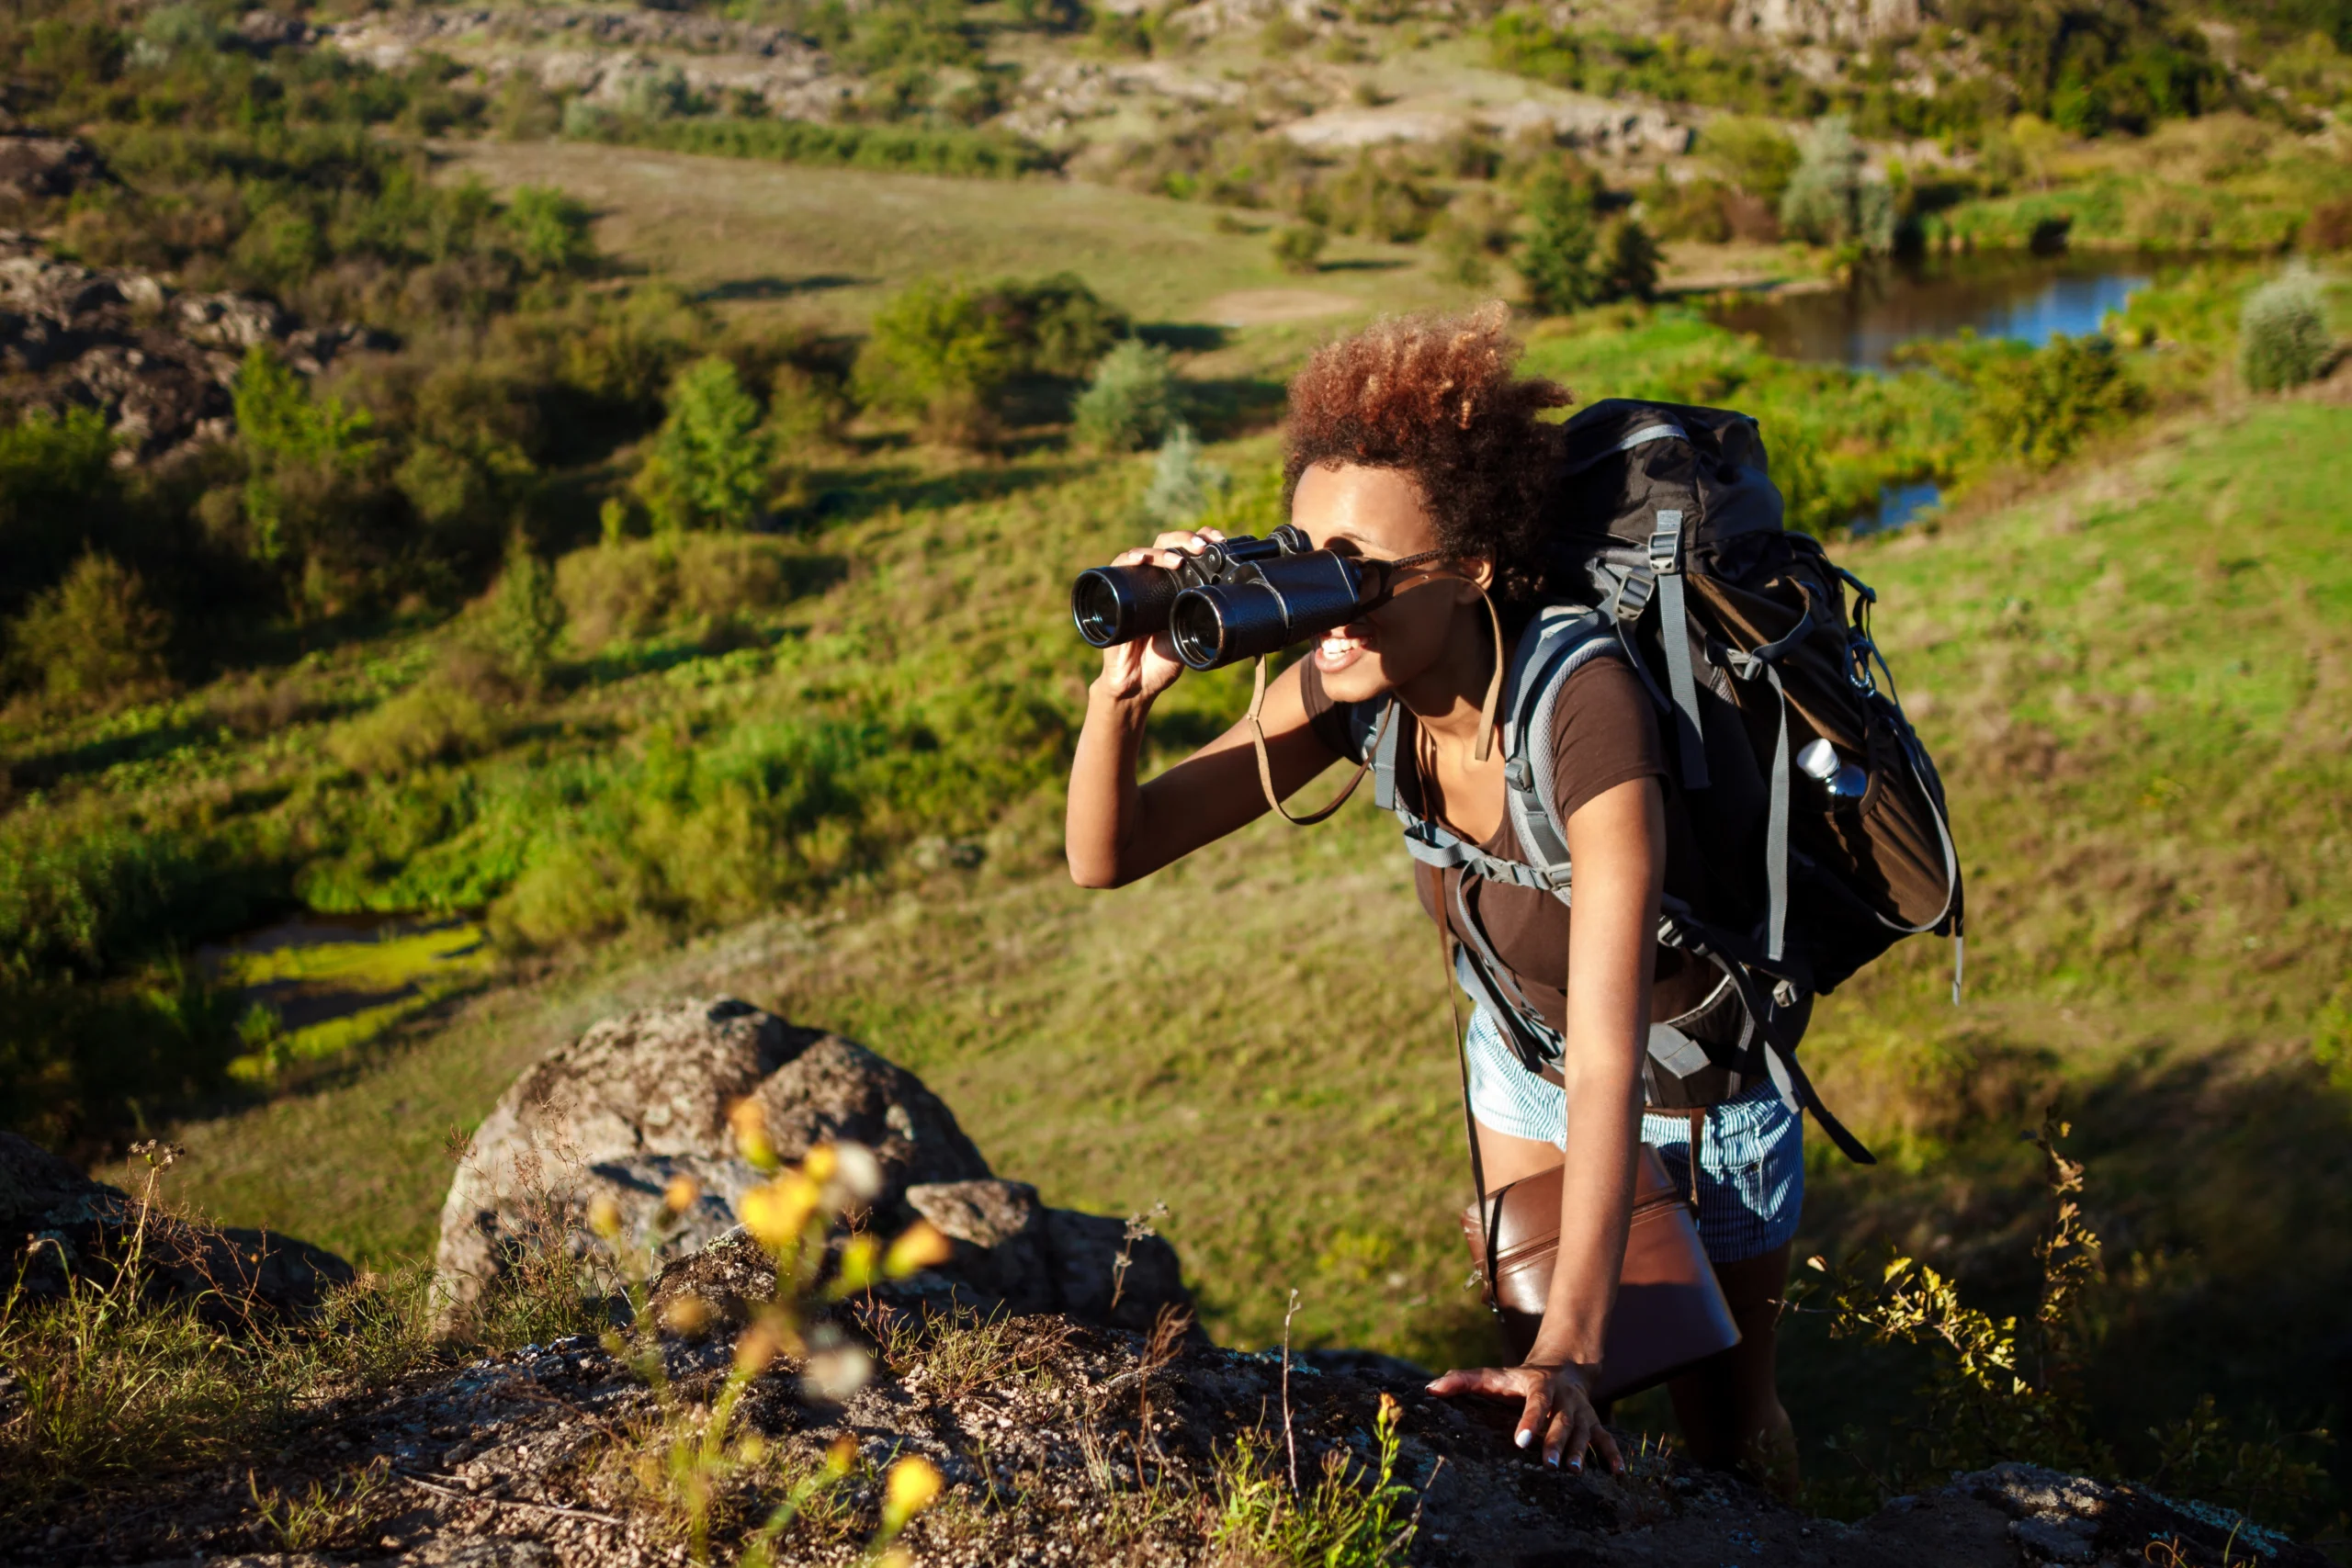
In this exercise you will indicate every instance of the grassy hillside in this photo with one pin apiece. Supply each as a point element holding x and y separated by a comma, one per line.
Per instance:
<point>2135,682</point>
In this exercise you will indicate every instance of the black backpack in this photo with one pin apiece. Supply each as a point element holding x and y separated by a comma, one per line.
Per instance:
<point>1668,530</point>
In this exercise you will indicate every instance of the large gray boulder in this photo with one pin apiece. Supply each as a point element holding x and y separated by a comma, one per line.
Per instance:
<point>641,1099</point>
<point>58,1226</point>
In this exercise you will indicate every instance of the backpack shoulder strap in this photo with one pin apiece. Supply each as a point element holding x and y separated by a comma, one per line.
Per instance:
<point>1561,640</point>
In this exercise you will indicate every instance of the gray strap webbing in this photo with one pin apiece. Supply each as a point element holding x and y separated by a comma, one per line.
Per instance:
<point>1674,633</point>
<point>1752,667</point>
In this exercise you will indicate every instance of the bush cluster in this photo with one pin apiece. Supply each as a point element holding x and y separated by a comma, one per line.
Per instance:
<point>944,353</point>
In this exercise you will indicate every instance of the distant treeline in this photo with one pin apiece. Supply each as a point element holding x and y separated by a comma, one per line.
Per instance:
<point>899,149</point>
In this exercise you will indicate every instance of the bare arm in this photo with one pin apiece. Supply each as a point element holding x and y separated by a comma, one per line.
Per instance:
<point>1617,844</point>
<point>1116,830</point>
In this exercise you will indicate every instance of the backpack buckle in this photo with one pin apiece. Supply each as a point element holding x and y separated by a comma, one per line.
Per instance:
<point>1666,543</point>
<point>1517,774</point>
<point>1634,595</point>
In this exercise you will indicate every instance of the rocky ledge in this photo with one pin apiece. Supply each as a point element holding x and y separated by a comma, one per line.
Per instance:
<point>1043,1369</point>
<point>156,362</point>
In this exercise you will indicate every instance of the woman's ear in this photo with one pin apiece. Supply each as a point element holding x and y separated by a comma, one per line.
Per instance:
<point>1477,571</point>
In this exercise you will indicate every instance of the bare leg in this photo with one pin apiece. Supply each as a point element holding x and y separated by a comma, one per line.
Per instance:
<point>1729,1405</point>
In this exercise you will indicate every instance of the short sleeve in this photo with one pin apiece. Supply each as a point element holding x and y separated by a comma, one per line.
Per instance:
<point>1339,725</point>
<point>1604,732</point>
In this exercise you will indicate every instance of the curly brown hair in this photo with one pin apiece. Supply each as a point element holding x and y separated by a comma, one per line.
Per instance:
<point>1435,397</point>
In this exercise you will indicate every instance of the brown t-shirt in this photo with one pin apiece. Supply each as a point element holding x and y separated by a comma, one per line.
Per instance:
<point>1604,732</point>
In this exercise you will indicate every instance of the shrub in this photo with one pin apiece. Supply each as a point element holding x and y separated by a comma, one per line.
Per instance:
<point>1298,247</point>
<point>526,615</point>
<point>1828,202</point>
<point>551,230</point>
<point>94,636</point>
<point>1373,197</point>
<point>1132,402</point>
<point>2039,406</point>
<point>628,588</point>
<point>309,472</point>
<point>708,466</point>
<point>1058,326</point>
<point>57,481</point>
<point>1754,155</point>
<point>430,722</point>
<point>937,353</point>
<point>1182,485</point>
<point>2283,339</point>
<point>1556,259</point>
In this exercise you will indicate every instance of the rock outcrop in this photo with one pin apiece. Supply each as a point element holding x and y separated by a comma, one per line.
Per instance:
<point>157,363</point>
<point>1061,1444</point>
<point>641,1099</point>
<point>57,1225</point>
<point>1831,21</point>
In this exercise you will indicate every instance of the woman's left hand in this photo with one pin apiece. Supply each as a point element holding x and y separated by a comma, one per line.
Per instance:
<point>1557,1408</point>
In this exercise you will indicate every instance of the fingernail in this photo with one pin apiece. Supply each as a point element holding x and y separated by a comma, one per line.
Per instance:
<point>1576,1465</point>
<point>1525,1438</point>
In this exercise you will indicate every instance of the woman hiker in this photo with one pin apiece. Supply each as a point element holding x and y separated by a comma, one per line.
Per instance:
<point>1415,439</point>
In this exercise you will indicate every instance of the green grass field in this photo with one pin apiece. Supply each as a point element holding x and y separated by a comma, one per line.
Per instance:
<point>2136,682</point>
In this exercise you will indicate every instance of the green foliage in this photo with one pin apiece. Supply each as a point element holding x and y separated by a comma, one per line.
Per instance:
<point>1378,197</point>
<point>1184,484</point>
<point>526,615</point>
<point>2039,406</point>
<point>2283,339</point>
<point>551,230</point>
<point>1352,1517</point>
<point>1752,154</point>
<point>58,485</point>
<point>698,583</point>
<point>1629,260</point>
<point>95,637</point>
<point>1992,1392</point>
<point>1615,65</point>
<point>432,722</point>
<point>934,350</point>
<point>1298,247</point>
<point>306,458</point>
<point>1132,400</point>
<point>1830,202</point>
<point>911,149</point>
<point>942,351</point>
<point>708,468</point>
<point>1556,254</point>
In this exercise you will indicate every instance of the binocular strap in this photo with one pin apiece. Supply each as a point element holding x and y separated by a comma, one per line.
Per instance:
<point>1265,765</point>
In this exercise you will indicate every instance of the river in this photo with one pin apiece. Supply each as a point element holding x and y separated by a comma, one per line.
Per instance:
<point>2030,300</point>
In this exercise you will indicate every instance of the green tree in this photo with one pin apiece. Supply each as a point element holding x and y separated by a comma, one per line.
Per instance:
<point>710,463</point>
<point>551,230</point>
<point>1556,259</point>
<point>2039,406</point>
<point>1132,400</point>
<point>1830,201</point>
<point>526,615</point>
<point>1629,260</point>
<point>936,352</point>
<point>289,436</point>
<point>96,636</point>
<point>1298,247</point>
<point>1183,484</point>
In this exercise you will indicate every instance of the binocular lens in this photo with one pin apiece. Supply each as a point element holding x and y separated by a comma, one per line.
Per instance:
<point>1119,603</point>
<point>1287,600</point>
<point>1227,623</point>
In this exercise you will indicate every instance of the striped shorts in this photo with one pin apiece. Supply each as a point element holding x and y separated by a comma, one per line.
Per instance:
<point>1751,1155</point>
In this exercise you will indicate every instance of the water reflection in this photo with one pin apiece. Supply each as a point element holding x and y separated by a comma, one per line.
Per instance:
<point>1898,504</point>
<point>2030,300</point>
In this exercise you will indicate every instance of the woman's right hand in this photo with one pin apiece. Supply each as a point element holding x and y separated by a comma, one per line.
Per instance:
<point>1141,670</point>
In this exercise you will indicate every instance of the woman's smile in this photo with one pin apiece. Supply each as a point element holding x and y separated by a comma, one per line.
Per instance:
<point>1342,646</point>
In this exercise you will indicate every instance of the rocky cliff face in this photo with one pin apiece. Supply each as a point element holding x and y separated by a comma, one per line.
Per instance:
<point>1831,21</point>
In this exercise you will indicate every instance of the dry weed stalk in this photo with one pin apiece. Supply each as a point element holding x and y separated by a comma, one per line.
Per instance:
<point>1166,1339</point>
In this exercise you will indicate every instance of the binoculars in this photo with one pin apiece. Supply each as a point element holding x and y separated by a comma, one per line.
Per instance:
<point>1233,601</point>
